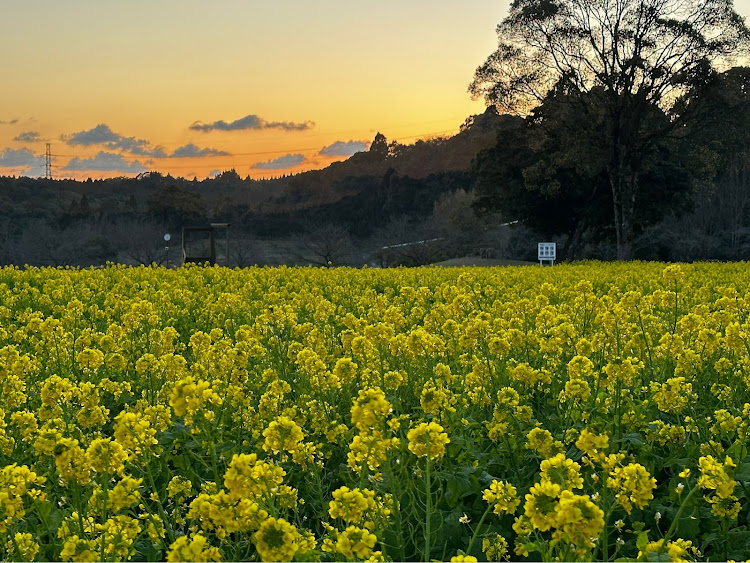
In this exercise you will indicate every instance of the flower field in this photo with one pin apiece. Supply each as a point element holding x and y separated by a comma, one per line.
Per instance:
<point>582,412</point>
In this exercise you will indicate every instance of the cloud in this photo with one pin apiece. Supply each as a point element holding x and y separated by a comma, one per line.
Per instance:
<point>190,150</point>
<point>286,161</point>
<point>251,122</point>
<point>343,148</point>
<point>103,135</point>
<point>23,160</point>
<point>9,122</point>
<point>106,161</point>
<point>27,137</point>
<point>18,158</point>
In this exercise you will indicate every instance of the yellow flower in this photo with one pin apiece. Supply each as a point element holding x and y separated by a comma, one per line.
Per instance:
<point>195,548</point>
<point>155,528</point>
<point>124,494</point>
<point>542,441</point>
<point>190,395</point>
<point>579,518</point>
<point>724,507</point>
<point>179,488</point>
<point>562,471</point>
<point>676,550</point>
<point>576,390</point>
<point>80,549</point>
<point>542,504</point>
<point>351,505</point>
<point>277,540</point>
<point>26,423</point>
<point>90,359</point>
<point>71,461</point>
<point>217,513</point>
<point>370,408</point>
<point>436,399</point>
<point>464,558</point>
<point>503,496</point>
<point>495,547</point>
<point>369,449</point>
<point>428,440</point>
<point>106,456</point>
<point>673,273</point>
<point>593,445</point>
<point>134,432</point>
<point>56,389</point>
<point>633,485</point>
<point>24,545</point>
<point>118,535</point>
<point>282,435</point>
<point>715,476</point>
<point>673,395</point>
<point>247,476</point>
<point>356,543</point>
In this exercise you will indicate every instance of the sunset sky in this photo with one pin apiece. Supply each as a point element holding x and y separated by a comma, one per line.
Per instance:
<point>193,87</point>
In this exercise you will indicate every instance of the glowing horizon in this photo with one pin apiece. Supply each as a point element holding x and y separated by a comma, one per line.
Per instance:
<point>190,88</point>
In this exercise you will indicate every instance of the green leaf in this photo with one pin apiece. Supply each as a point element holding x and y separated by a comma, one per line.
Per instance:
<point>642,541</point>
<point>739,544</point>
<point>458,485</point>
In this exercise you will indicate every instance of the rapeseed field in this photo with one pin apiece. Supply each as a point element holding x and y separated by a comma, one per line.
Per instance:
<point>579,412</point>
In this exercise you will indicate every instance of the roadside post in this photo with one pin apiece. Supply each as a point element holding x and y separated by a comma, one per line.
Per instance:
<point>167,238</point>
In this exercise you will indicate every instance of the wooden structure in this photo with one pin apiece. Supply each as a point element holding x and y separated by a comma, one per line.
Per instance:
<point>199,249</point>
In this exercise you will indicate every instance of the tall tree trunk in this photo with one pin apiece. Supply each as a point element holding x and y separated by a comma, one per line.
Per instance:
<point>624,182</point>
<point>574,244</point>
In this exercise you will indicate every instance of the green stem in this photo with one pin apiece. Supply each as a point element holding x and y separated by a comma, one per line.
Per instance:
<point>478,528</point>
<point>105,498</point>
<point>428,519</point>
<point>676,520</point>
<point>725,534</point>
<point>397,510</point>
<point>605,542</point>
<point>165,520</point>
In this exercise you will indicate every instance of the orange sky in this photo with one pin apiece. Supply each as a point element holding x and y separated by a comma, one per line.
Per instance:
<point>191,87</point>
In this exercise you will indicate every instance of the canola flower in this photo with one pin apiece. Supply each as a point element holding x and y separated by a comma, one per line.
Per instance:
<point>582,412</point>
<point>428,440</point>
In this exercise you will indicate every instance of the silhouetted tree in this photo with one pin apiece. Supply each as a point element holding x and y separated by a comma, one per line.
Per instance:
<point>636,54</point>
<point>323,244</point>
<point>379,147</point>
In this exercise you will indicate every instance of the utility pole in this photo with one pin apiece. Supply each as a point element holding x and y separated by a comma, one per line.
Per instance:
<point>48,163</point>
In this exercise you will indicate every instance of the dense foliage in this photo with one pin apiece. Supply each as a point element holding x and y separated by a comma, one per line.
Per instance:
<point>635,70</point>
<point>579,412</point>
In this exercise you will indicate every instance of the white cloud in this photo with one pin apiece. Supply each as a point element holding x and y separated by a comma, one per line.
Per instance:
<point>343,148</point>
<point>190,150</point>
<point>251,122</point>
<point>103,135</point>
<point>106,161</point>
<point>286,161</point>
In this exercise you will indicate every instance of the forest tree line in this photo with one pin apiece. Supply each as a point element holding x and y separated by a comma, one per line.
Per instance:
<point>495,189</point>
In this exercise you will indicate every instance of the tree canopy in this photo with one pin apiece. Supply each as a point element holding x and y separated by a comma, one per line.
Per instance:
<point>621,63</point>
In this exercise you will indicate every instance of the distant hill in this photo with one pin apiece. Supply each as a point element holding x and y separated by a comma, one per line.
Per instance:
<point>86,222</point>
<point>417,161</point>
<point>165,197</point>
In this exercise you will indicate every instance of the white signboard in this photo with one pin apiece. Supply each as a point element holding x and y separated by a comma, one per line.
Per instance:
<point>547,251</point>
